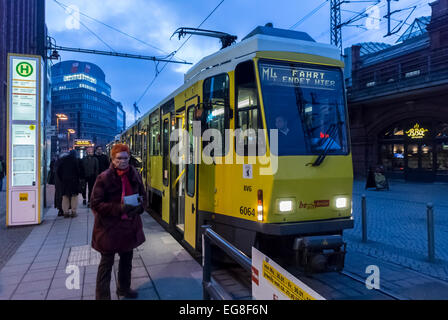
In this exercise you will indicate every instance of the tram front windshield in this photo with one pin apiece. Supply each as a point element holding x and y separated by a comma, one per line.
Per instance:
<point>306,105</point>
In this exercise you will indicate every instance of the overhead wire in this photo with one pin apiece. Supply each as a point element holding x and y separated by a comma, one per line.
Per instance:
<point>310,14</point>
<point>92,32</point>
<point>118,30</point>
<point>384,21</point>
<point>174,53</point>
<point>381,20</point>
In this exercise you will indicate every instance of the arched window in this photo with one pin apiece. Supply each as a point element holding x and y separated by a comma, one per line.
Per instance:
<point>395,132</point>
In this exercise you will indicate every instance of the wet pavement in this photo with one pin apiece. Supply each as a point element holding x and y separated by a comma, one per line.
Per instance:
<point>41,263</point>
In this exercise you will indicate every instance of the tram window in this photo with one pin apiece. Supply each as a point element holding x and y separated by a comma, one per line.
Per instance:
<point>191,175</point>
<point>155,136</point>
<point>216,101</point>
<point>166,150</point>
<point>248,117</point>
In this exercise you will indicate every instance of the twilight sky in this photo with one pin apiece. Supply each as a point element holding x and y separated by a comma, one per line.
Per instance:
<point>154,21</point>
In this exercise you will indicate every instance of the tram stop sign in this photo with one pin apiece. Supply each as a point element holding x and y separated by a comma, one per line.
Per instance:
<point>25,136</point>
<point>271,282</point>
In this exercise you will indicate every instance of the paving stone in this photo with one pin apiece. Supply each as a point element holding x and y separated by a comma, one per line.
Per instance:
<point>174,281</point>
<point>35,295</point>
<point>63,293</point>
<point>32,286</point>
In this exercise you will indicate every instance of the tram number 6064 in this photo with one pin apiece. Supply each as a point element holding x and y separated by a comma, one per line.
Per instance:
<point>247,211</point>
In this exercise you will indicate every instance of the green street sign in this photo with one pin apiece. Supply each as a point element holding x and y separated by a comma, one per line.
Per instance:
<point>24,69</point>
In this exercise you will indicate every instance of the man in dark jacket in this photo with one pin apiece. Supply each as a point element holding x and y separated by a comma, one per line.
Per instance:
<point>2,172</point>
<point>103,160</point>
<point>118,227</point>
<point>69,173</point>
<point>91,170</point>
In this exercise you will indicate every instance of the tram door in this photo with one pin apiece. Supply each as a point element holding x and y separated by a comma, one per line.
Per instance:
<point>177,175</point>
<point>190,180</point>
<point>166,123</point>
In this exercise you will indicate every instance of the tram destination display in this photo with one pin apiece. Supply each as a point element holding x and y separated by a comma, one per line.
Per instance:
<point>301,77</point>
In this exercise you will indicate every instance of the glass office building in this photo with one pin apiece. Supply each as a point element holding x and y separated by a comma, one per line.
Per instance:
<point>80,92</point>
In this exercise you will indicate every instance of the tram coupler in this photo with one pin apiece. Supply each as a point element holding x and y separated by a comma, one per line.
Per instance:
<point>320,253</point>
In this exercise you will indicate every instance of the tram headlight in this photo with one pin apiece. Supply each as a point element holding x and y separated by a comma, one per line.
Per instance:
<point>341,202</point>
<point>285,205</point>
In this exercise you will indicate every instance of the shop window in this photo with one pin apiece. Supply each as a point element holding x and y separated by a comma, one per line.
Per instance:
<point>442,130</point>
<point>442,158</point>
<point>394,133</point>
<point>413,156</point>
<point>392,157</point>
<point>426,157</point>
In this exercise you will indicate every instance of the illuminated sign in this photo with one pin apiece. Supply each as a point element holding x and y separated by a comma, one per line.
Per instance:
<point>416,132</point>
<point>83,143</point>
<point>79,76</point>
<point>298,77</point>
<point>315,204</point>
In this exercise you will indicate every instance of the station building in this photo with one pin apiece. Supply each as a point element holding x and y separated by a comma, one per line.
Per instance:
<point>80,91</point>
<point>398,101</point>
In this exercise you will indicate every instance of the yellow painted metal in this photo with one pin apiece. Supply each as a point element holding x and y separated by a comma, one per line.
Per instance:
<point>222,188</point>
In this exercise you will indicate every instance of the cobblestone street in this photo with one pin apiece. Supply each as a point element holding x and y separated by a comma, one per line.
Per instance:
<point>397,225</point>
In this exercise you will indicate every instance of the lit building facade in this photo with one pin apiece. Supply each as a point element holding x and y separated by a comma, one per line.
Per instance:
<point>397,101</point>
<point>80,92</point>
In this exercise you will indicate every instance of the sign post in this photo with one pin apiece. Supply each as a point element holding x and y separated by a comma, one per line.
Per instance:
<point>24,135</point>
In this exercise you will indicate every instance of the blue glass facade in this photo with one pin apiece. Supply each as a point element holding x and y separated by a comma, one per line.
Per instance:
<point>80,91</point>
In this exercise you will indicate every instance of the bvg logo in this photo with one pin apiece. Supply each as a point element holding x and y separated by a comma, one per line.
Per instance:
<point>24,69</point>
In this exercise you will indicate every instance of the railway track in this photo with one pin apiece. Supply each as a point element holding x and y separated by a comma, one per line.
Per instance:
<point>344,285</point>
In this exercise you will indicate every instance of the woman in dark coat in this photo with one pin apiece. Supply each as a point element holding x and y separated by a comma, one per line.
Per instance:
<point>118,227</point>
<point>69,173</point>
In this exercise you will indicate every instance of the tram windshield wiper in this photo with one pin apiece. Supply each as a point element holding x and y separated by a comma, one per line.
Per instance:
<point>331,133</point>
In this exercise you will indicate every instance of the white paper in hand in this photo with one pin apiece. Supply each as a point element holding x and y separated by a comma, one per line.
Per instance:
<point>131,200</point>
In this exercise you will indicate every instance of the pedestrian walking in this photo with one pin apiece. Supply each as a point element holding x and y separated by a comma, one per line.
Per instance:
<point>69,173</point>
<point>91,170</point>
<point>2,172</point>
<point>118,226</point>
<point>58,185</point>
<point>103,160</point>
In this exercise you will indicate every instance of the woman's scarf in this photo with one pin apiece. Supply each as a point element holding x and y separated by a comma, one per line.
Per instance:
<point>125,187</point>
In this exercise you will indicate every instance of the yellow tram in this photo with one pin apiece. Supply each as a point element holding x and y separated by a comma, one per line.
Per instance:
<point>292,198</point>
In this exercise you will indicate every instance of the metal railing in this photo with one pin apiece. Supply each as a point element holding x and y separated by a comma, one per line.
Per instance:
<point>417,70</point>
<point>211,289</point>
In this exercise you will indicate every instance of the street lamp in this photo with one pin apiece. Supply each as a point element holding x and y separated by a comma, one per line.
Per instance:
<point>69,131</point>
<point>60,116</point>
<point>63,117</point>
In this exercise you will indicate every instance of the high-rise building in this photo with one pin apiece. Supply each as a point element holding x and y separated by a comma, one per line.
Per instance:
<point>121,118</point>
<point>80,91</point>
